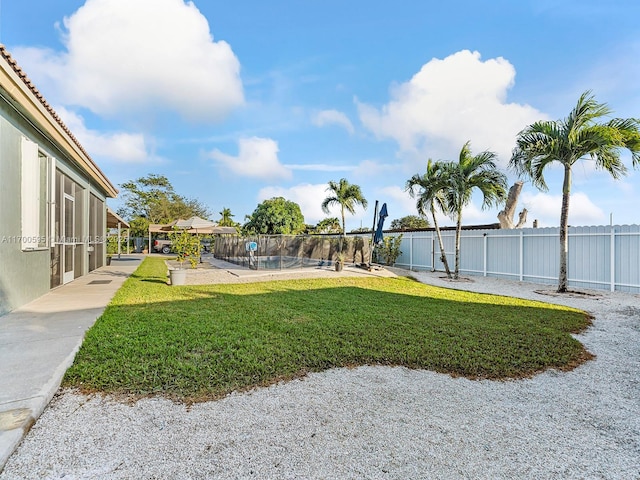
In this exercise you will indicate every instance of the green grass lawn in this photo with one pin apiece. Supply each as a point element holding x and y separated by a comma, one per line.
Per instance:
<point>201,342</point>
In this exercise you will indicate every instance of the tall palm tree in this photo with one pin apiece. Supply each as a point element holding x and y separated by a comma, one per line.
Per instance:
<point>226,218</point>
<point>345,195</point>
<point>428,188</point>
<point>566,141</point>
<point>469,173</point>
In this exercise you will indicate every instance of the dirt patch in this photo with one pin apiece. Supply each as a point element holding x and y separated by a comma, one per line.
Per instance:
<point>629,312</point>
<point>570,293</point>
<point>457,280</point>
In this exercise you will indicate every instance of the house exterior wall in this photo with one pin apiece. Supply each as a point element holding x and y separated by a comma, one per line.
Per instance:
<point>26,275</point>
<point>23,275</point>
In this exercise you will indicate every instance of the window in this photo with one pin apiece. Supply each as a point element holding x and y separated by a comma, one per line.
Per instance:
<point>35,167</point>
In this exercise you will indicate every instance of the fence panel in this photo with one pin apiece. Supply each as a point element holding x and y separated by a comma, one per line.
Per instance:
<point>588,260</point>
<point>627,263</point>
<point>416,251</point>
<point>541,255</point>
<point>473,259</point>
<point>599,257</point>
<point>503,254</point>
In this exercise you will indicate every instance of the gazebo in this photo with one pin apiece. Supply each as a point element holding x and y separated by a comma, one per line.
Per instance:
<point>194,225</point>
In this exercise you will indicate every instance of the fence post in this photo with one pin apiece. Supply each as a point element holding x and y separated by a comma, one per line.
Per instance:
<point>521,255</point>
<point>433,254</point>
<point>411,252</point>
<point>612,250</point>
<point>484,254</point>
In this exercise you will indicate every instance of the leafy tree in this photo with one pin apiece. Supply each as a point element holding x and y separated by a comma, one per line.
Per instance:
<point>428,188</point>
<point>186,245</point>
<point>566,141</point>
<point>345,195</point>
<point>328,225</point>
<point>410,222</point>
<point>139,227</point>
<point>469,173</point>
<point>152,199</point>
<point>275,216</point>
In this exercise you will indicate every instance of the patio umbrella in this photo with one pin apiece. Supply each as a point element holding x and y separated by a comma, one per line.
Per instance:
<point>377,238</point>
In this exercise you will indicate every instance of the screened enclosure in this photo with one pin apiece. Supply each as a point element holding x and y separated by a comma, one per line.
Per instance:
<point>276,252</point>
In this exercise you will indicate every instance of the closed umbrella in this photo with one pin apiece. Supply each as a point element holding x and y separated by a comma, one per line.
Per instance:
<point>377,238</point>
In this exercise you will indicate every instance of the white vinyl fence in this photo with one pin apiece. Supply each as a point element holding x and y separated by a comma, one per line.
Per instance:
<point>606,257</point>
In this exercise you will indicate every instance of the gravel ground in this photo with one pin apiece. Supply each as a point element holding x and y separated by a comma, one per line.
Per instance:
<point>372,422</point>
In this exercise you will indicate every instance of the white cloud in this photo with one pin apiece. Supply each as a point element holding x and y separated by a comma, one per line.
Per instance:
<point>405,205</point>
<point>119,146</point>
<point>449,102</point>
<point>399,204</point>
<point>321,167</point>
<point>308,196</point>
<point>257,157</point>
<point>472,214</point>
<point>546,209</point>
<point>139,56</point>
<point>372,168</point>
<point>333,117</point>
<point>366,168</point>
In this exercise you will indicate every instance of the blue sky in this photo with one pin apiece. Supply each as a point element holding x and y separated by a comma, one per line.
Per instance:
<point>237,102</point>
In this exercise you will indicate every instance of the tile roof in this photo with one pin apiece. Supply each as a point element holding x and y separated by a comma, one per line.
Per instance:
<point>4,53</point>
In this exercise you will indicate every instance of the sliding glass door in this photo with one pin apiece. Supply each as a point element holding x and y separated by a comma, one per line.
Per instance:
<point>68,247</point>
<point>68,241</point>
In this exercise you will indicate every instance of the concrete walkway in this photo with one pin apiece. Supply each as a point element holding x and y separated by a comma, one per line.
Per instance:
<point>39,341</point>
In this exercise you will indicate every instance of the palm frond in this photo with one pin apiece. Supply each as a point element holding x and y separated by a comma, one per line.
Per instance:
<point>329,202</point>
<point>427,188</point>
<point>608,158</point>
<point>585,112</point>
<point>630,131</point>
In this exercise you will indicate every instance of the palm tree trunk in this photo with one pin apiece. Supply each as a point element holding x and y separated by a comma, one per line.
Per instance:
<point>344,230</point>
<point>564,229</point>
<point>443,255</point>
<point>456,272</point>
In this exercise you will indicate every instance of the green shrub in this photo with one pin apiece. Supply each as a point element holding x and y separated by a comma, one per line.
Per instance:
<point>389,251</point>
<point>186,245</point>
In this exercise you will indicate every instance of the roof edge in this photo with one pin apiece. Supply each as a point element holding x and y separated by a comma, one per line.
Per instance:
<point>76,150</point>
<point>113,219</point>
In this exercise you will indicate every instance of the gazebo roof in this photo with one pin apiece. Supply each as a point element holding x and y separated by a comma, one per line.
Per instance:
<point>211,230</point>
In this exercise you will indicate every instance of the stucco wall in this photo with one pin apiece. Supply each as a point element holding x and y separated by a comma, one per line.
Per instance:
<point>23,275</point>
